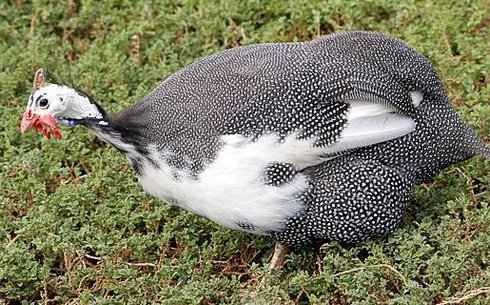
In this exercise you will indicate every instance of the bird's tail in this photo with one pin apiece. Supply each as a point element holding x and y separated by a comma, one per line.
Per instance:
<point>466,142</point>
<point>467,139</point>
<point>482,151</point>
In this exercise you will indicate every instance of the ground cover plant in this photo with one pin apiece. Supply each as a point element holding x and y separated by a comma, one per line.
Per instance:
<point>75,228</point>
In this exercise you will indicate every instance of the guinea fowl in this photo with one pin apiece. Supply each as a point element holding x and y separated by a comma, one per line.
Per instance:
<point>304,142</point>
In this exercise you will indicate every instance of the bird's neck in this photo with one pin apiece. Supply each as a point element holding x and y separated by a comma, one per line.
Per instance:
<point>129,142</point>
<point>124,138</point>
<point>121,133</point>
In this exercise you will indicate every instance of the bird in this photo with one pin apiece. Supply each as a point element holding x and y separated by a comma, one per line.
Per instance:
<point>304,142</point>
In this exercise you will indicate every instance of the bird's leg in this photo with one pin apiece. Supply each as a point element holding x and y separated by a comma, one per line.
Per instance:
<point>280,252</point>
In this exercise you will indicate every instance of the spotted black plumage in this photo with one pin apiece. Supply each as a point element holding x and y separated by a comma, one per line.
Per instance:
<point>279,173</point>
<point>349,200</point>
<point>305,141</point>
<point>245,225</point>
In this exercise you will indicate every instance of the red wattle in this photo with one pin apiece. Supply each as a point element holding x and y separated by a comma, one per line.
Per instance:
<point>46,124</point>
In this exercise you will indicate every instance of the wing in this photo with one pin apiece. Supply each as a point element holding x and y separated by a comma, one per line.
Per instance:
<point>313,99</point>
<point>323,116</point>
<point>332,95</point>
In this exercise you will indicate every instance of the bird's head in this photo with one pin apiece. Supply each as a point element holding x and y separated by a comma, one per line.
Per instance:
<point>51,104</point>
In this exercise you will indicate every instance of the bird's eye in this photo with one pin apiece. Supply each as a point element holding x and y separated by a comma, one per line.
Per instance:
<point>44,103</point>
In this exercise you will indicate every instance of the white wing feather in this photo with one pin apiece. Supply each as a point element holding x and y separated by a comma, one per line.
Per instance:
<point>370,123</point>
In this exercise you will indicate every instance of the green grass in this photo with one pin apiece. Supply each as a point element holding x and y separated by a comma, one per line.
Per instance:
<point>75,228</point>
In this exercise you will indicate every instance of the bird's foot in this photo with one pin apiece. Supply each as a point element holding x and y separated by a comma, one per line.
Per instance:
<point>278,258</point>
<point>280,252</point>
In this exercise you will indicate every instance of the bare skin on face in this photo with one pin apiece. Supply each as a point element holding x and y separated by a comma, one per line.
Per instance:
<point>46,124</point>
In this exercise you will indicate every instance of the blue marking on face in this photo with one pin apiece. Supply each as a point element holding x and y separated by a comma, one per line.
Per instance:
<point>67,122</point>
